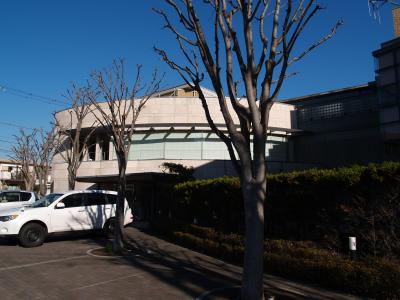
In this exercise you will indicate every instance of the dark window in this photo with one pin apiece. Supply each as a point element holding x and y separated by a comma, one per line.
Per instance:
<point>25,196</point>
<point>92,150</point>
<point>327,111</point>
<point>96,199</point>
<point>105,149</point>
<point>6,197</point>
<point>112,199</point>
<point>74,200</point>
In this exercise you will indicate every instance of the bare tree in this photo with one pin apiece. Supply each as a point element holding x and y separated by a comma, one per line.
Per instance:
<point>116,105</point>
<point>23,153</point>
<point>43,150</point>
<point>71,139</point>
<point>374,7</point>
<point>239,43</point>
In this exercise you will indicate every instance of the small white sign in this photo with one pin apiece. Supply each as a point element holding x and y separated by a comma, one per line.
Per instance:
<point>352,243</point>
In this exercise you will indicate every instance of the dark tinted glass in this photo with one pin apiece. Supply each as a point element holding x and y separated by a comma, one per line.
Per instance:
<point>74,200</point>
<point>112,199</point>
<point>96,199</point>
<point>6,197</point>
<point>25,196</point>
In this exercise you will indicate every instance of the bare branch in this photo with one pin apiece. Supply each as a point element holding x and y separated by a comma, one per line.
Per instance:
<point>169,26</point>
<point>246,146</point>
<point>70,142</point>
<point>23,153</point>
<point>319,43</point>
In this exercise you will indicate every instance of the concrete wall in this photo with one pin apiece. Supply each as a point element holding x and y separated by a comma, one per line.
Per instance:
<point>182,112</point>
<point>388,82</point>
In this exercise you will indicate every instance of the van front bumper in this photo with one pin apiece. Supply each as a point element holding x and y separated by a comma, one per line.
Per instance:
<point>8,228</point>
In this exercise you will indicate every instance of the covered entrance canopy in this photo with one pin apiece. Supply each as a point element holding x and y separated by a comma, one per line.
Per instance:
<point>131,177</point>
<point>148,193</point>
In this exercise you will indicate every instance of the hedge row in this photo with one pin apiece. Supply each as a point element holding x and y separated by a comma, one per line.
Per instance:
<point>378,278</point>
<point>320,205</point>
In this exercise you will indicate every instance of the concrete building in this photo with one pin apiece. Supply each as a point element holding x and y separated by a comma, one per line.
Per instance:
<point>172,127</point>
<point>337,128</point>
<point>352,125</point>
<point>10,175</point>
<point>340,127</point>
<point>387,62</point>
<point>355,125</point>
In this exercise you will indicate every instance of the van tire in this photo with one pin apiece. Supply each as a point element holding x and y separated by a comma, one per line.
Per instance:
<point>108,228</point>
<point>32,235</point>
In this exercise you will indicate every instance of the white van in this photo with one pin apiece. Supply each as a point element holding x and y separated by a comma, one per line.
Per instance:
<point>61,212</point>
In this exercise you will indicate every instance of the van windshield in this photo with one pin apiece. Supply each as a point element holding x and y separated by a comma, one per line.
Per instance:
<point>47,200</point>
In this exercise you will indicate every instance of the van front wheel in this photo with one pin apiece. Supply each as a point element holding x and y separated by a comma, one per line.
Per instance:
<point>32,235</point>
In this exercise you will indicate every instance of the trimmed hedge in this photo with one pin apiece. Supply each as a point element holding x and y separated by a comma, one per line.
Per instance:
<point>378,278</point>
<point>320,205</point>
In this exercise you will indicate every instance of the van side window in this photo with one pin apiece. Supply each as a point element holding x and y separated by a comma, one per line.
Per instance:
<point>96,199</point>
<point>74,200</point>
<point>25,196</point>
<point>6,197</point>
<point>111,199</point>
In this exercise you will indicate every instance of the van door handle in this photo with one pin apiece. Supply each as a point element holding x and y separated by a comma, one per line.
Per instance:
<point>81,210</point>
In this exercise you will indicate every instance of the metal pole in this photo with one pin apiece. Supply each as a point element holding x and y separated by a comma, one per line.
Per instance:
<point>353,247</point>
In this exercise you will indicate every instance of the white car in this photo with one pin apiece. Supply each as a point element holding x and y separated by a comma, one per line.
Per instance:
<point>12,199</point>
<point>61,212</point>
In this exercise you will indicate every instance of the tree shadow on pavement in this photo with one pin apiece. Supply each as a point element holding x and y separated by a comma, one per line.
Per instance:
<point>195,273</point>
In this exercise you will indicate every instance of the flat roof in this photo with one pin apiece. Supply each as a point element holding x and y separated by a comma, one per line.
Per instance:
<point>387,46</point>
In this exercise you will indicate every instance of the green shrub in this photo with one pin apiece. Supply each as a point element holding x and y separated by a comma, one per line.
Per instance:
<point>302,260</point>
<point>320,205</point>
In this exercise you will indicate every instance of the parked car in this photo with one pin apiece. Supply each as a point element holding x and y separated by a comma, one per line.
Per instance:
<point>61,213</point>
<point>13,199</point>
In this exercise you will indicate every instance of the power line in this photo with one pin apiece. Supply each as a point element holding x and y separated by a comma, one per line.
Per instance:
<point>5,150</point>
<point>4,141</point>
<point>15,125</point>
<point>31,96</point>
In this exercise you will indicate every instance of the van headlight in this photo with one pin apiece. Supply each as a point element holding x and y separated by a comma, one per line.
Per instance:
<point>8,218</point>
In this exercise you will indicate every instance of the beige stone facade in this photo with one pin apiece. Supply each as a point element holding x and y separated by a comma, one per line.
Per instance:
<point>172,127</point>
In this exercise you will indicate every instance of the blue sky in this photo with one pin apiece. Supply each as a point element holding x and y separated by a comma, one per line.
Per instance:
<point>45,45</point>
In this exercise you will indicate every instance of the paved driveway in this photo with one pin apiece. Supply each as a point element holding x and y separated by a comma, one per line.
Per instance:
<point>62,269</point>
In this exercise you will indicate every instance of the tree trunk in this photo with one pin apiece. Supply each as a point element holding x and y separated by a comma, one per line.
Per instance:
<point>118,243</point>
<point>42,184</point>
<point>26,184</point>
<point>253,268</point>
<point>71,180</point>
<point>30,182</point>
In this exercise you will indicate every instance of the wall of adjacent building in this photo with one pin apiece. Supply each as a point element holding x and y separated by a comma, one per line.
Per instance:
<point>340,128</point>
<point>387,62</point>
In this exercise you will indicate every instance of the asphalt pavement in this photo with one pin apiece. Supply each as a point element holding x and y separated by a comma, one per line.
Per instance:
<point>156,269</point>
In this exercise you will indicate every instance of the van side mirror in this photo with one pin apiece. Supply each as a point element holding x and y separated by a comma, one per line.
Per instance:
<point>60,205</point>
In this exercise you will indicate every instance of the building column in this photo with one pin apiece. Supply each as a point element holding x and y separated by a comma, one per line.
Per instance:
<point>111,150</point>
<point>98,149</point>
<point>86,154</point>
